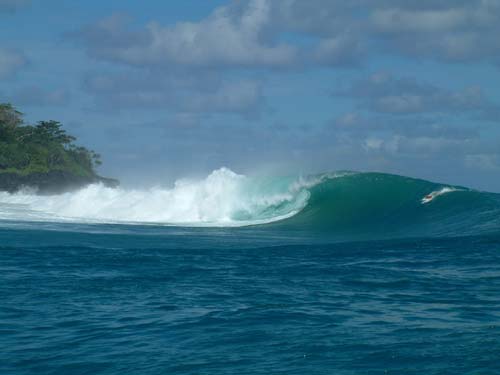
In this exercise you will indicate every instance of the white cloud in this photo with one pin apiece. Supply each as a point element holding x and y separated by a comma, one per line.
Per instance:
<point>338,50</point>
<point>443,30</point>
<point>180,92</point>
<point>239,96</point>
<point>255,33</point>
<point>384,93</point>
<point>400,20</point>
<point>230,36</point>
<point>373,143</point>
<point>489,162</point>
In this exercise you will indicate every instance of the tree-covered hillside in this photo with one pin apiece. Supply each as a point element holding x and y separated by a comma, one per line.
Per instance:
<point>42,147</point>
<point>43,156</point>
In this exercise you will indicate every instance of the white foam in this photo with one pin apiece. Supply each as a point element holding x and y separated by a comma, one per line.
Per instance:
<point>224,198</point>
<point>430,197</point>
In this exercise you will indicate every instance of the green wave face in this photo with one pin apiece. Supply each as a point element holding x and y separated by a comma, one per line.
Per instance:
<point>383,205</point>
<point>344,204</point>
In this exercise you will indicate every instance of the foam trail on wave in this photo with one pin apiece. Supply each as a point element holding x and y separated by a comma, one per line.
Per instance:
<point>430,197</point>
<point>224,198</point>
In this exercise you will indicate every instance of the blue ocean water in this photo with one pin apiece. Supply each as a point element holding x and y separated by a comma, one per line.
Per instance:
<point>354,283</point>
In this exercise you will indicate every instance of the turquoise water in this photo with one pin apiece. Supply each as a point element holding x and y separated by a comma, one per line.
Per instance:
<point>360,277</point>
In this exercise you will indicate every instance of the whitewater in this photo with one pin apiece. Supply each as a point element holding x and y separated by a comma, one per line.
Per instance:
<point>346,204</point>
<point>333,273</point>
<point>223,198</point>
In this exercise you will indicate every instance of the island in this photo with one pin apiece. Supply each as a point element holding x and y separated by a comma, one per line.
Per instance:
<point>43,157</point>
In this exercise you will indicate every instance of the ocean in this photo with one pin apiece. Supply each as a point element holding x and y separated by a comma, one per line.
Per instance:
<point>338,273</point>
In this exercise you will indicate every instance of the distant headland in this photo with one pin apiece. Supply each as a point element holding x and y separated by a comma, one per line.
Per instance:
<point>43,156</point>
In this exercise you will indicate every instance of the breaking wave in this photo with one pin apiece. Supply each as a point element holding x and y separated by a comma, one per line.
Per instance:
<point>344,203</point>
<point>224,198</point>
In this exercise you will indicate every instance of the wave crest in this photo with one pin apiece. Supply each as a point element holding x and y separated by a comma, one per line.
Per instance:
<point>345,204</point>
<point>224,198</point>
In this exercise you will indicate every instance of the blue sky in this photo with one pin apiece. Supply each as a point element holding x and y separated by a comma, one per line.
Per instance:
<point>173,89</point>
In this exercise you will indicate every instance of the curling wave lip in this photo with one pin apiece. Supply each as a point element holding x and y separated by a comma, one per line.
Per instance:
<point>223,198</point>
<point>345,204</point>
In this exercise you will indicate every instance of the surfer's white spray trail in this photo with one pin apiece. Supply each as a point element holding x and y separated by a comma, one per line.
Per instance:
<point>430,197</point>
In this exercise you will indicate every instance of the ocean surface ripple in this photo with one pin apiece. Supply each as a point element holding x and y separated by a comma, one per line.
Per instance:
<point>303,295</point>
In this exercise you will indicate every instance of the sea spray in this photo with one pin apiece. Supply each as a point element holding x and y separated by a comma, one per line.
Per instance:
<point>224,198</point>
<point>347,205</point>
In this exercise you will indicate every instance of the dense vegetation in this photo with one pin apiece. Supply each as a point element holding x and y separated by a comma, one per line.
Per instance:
<point>41,148</point>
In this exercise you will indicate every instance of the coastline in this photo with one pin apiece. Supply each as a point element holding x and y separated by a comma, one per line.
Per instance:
<point>52,182</point>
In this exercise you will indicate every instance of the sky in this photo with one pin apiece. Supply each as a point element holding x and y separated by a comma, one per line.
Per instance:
<point>169,89</point>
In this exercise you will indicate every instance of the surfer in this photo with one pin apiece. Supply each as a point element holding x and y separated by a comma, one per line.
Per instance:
<point>428,198</point>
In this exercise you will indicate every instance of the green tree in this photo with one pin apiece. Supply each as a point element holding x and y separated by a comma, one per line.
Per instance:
<point>51,131</point>
<point>10,119</point>
<point>41,148</point>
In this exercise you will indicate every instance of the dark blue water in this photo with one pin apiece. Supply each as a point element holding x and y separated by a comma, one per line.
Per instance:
<point>104,299</point>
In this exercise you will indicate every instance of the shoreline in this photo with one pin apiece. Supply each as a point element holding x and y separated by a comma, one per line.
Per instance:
<point>50,183</point>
